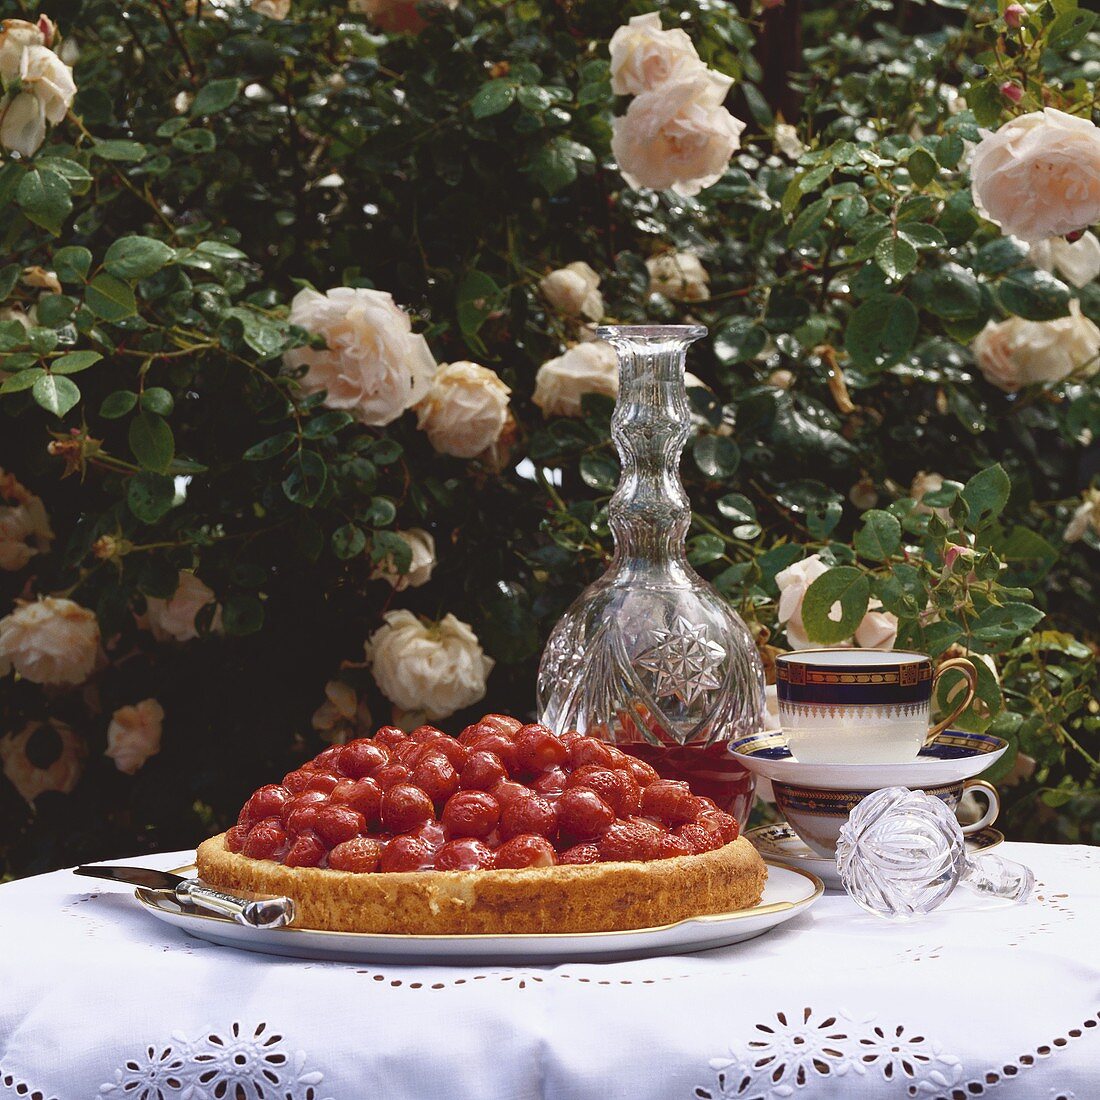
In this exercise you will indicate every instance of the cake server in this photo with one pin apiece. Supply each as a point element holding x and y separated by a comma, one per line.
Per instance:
<point>261,912</point>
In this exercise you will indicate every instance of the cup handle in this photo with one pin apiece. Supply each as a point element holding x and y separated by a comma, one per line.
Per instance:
<point>966,667</point>
<point>992,810</point>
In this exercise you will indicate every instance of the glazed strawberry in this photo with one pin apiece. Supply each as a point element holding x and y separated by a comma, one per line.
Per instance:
<point>425,733</point>
<point>265,840</point>
<point>388,736</point>
<point>362,795</point>
<point>235,837</point>
<point>482,772</point>
<point>670,801</point>
<point>302,819</point>
<point>431,832</point>
<point>435,777</point>
<point>465,854</point>
<point>719,824</point>
<point>617,789</point>
<point>508,790</point>
<point>361,757</point>
<point>335,824</point>
<point>266,802</point>
<point>306,798</point>
<point>457,754</point>
<point>500,744</point>
<point>643,773</point>
<point>305,851</point>
<point>406,853</point>
<point>583,814</point>
<point>530,813</point>
<point>502,723</point>
<point>629,840</point>
<point>325,761</point>
<point>322,781</point>
<point>404,807</point>
<point>360,855</point>
<point>473,731</point>
<point>589,750</point>
<point>296,781</point>
<point>698,839</point>
<point>538,749</point>
<point>389,774</point>
<point>671,846</point>
<point>552,782</point>
<point>526,851</point>
<point>580,853</point>
<point>470,814</point>
<point>630,794</point>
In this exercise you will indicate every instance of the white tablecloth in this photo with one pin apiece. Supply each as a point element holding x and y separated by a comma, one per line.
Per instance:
<point>98,999</point>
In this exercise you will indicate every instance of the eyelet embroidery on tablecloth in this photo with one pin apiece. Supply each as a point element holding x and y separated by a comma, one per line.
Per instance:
<point>236,1064</point>
<point>21,1088</point>
<point>795,1049</point>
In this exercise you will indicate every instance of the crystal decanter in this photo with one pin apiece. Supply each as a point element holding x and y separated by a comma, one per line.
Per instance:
<point>650,656</point>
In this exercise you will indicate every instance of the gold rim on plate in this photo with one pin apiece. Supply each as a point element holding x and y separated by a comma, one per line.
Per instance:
<point>149,900</point>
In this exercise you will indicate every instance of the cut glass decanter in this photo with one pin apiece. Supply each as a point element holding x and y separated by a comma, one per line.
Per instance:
<point>650,656</point>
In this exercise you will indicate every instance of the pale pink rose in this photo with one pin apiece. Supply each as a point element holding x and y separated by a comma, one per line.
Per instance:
<point>24,525</point>
<point>787,141</point>
<point>924,483</point>
<point>343,715</point>
<point>15,36</point>
<point>863,494</point>
<point>878,629</point>
<point>678,275</point>
<point>574,290</point>
<point>46,92</point>
<point>397,16</point>
<point>561,383</point>
<point>1038,176</point>
<point>29,778</point>
<point>433,669</point>
<point>793,582</point>
<point>677,136</point>
<point>273,9</point>
<point>1015,352</point>
<point>22,125</point>
<point>134,734</point>
<point>1078,262</point>
<point>49,641</point>
<point>781,379</point>
<point>1086,515</point>
<point>41,279</point>
<point>643,56</point>
<point>174,619</point>
<point>465,410</point>
<point>374,366</point>
<point>422,548</point>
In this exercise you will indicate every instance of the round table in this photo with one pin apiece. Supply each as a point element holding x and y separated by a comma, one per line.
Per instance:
<point>98,999</point>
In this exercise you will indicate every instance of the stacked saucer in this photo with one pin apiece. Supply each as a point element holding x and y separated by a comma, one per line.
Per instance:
<point>817,798</point>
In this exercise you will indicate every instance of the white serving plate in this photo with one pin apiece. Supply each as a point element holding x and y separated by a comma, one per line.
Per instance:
<point>953,756</point>
<point>781,843</point>
<point>788,892</point>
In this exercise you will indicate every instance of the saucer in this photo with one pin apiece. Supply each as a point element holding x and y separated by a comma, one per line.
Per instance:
<point>953,756</point>
<point>781,844</point>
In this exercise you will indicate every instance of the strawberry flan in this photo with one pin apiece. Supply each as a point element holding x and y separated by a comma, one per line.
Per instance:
<point>507,828</point>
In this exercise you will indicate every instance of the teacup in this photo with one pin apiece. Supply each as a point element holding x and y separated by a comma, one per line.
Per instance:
<point>862,706</point>
<point>817,814</point>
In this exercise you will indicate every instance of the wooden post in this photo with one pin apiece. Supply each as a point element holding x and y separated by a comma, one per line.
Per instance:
<point>779,51</point>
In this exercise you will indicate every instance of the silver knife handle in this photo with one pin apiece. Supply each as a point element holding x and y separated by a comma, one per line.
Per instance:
<point>263,913</point>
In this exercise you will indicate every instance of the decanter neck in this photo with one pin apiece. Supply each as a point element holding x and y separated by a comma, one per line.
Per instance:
<point>650,513</point>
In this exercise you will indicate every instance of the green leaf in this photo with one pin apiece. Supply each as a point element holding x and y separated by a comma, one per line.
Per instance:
<point>478,296</point>
<point>151,441</point>
<point>348,541</point>
<point>903,592</point>
<point>242,614</point>
<point>808,221</point>
<point>150,496</point>
<point>195,141</point>
<point>922,167</point>
<point>949,150</point>
<point>1034,295</point>
<point>215,96</point>
<point>738,340</point>
<point>741,512</point>
<point>950,292</point>
<point>74,361</point>
<point>71,264</point>
<point>307,478</point>
<point>9,276</point>
<point>844,585</point>
<point>381,512</point>
<point>137,257</point>
<point>599,471</point>
<point>920,235</point>
<point>116,150</point>
<point>1069,28</point>
<point>54,310</point>
<point>554,166</point>
<point>270,447</point>
<point>56,394</point>
<point>717,456</point>
<point>703,549</point>
<point>118,404</point>
<point>157,400</point>
<point>881,330</point>
<point>326,424</point>
<point>986,495</point>
<point>389,545</point>
<point>896,256</point>
<point>109,298</point>
<point>45,199</point>
<point>880,536</point>
<point>492,98</point>
<point>24,380</point>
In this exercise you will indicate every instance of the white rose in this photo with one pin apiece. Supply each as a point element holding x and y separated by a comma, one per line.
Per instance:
<point>574,290</point>
<point>134,734</point>
<point>584,368</point>
<point>175,618</point>
<point>396,15</point>
<point>49,641</point>
<point>431,668</point>
<point>678,275</point>
<point>787,141</point>
<point>23,125</point>
<point>41,279</point>
<point>1016,353</point>
<point>793,583</point>
<point>15,36</point>
<point>273,9</point>
<point>24,525</point>
<point>1038,176</point>
<point>863,494</point>
<point>878,629</point>
<point>374,365</point>
<point>49,80</point>
<point>422,547</point>
<point>29,778</point>
<point>343,715</point>
<point>465,410</point>
<point>1077,261</point>
<point>644,56</point>
<point>1086,515</point>
<point>677,136</point>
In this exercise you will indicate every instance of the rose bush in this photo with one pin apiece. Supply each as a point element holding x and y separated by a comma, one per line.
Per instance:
<point>241,238</point>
